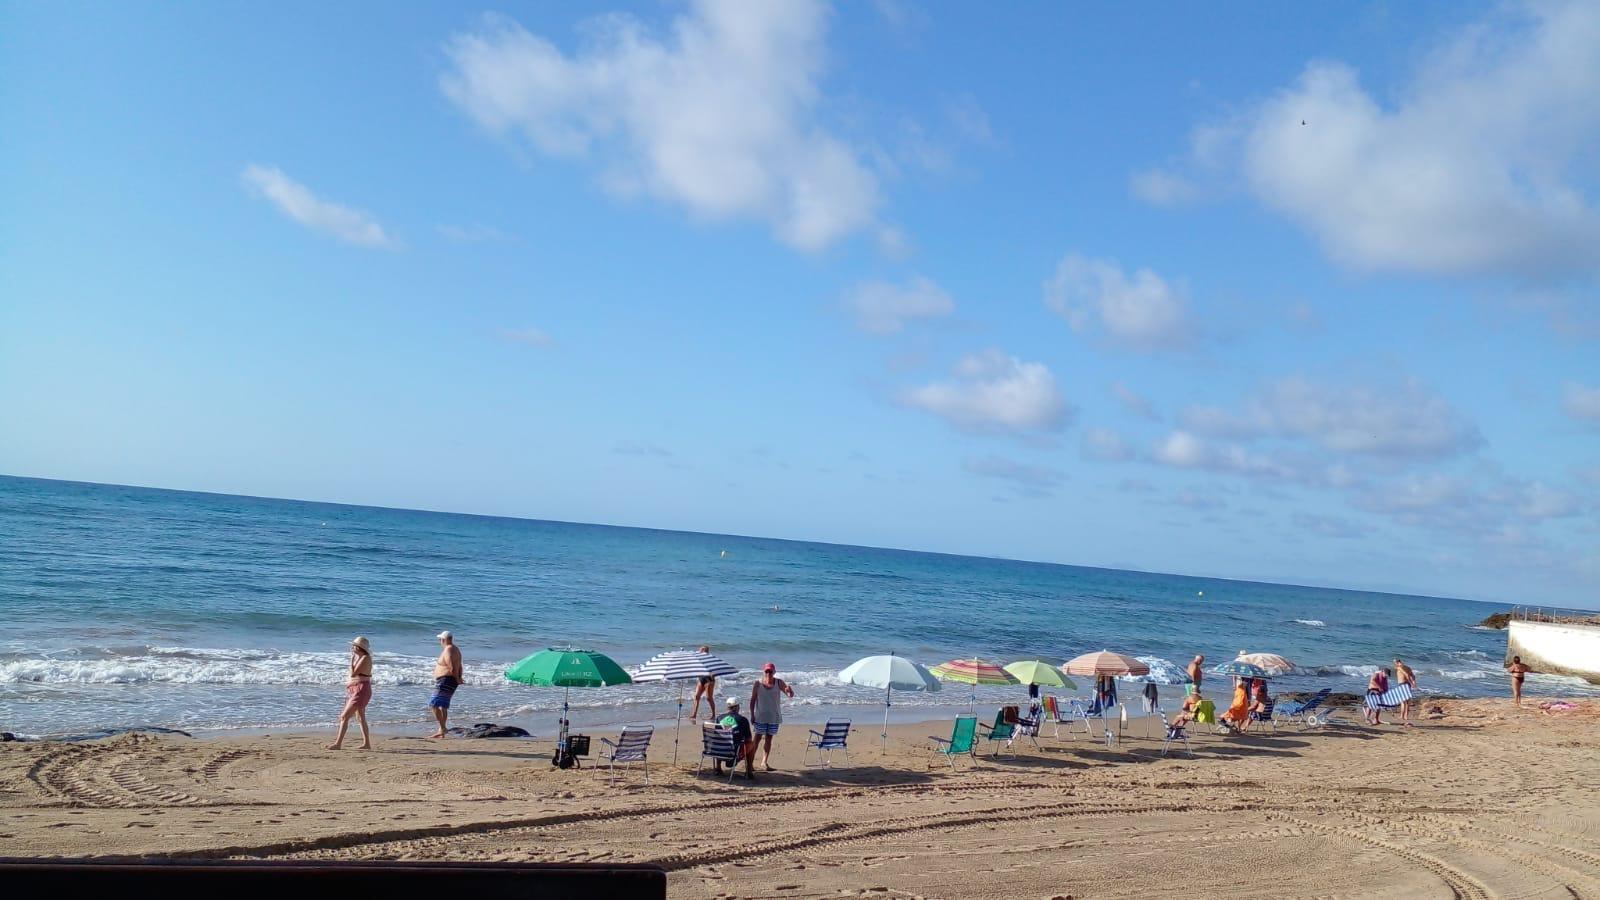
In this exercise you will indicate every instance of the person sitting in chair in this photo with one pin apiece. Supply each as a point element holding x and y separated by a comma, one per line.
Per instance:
<point>1185,715</point>
<point>743,748</point>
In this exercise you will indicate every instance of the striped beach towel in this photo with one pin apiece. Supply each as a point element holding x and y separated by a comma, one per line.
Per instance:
<point>1395,696</point>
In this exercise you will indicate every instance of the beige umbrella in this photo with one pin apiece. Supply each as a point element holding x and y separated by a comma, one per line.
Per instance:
<point>1105,663</point>
<point>1271,663</point>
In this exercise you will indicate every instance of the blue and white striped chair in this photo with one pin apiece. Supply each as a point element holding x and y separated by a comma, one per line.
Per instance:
<point>632,746</point>
<point>1390,699</point>
<point>1264,716</point>
<point>717,745</point>
<point>1174,733</point>
<point>834,736</point>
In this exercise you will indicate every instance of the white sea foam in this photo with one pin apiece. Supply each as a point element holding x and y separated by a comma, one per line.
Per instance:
<point>1465,674</point>
<point>207,665</point>
<point>1311,623</point>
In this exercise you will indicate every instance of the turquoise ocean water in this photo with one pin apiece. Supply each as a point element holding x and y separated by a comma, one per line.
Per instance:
<point>131,606</point>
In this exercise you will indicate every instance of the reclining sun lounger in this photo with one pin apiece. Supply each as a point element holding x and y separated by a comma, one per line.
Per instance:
<point>1304,712</point>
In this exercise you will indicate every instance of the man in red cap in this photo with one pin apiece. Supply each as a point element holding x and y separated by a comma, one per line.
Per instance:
<point>766,710</point>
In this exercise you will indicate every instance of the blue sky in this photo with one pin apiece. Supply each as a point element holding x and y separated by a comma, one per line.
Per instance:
<point>1069,283</point>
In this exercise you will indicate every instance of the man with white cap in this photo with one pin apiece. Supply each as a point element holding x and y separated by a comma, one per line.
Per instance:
<point>446,678</point>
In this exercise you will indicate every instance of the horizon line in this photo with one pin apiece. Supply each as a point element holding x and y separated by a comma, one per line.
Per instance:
<point>752,537</point>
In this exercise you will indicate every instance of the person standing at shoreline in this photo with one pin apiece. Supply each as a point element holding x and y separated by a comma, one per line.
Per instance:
<point>706,687</point>
<point>1404,675</point>
<point>766,711</point>
<point>358,693</point>
<point>1195,673</point>
<point>1519,670</point>
<point>447,675</point>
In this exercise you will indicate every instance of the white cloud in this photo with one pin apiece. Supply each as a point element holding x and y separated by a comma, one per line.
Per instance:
<point>296,201</point>
<point>1141,311</point>
<point>532,337</point>
<point>1029,480</point>
<point>1482,163</point>
<point>1581,402</point>
<point>882,307</point>
<point>1402,420</point>
<point>1159,187</point>
<point>991,392</point>
<point>1182,450</point>
<point>1105,445</point>
<point>718,114</point>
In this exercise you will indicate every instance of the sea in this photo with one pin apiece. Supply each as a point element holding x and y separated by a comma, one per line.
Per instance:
<point>135,607</point>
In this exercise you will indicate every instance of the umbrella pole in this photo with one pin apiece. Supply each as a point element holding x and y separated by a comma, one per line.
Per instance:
<point>676,729</point>
<point>887,690</point>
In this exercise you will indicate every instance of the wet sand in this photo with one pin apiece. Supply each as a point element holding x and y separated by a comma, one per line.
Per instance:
<point>1479,800</point>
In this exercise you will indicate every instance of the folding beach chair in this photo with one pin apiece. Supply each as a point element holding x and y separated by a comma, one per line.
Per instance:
<point>1060,715</point>
<point>1003,732</point>
<point>631,746</point>
<point>1028,727</point>
<point>1390,699</point>
<point>1264,716</point>
<point>963,740</point>
<point>1174,733</point>
<point>1304,712</point>
<point>717,745</point>
<point>833,736</point>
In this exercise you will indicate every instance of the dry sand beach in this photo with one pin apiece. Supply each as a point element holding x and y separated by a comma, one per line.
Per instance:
<point>1479,800</point>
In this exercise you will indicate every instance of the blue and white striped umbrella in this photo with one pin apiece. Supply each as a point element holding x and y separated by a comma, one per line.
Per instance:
<point>1240,670</point>
<point>682,666</point>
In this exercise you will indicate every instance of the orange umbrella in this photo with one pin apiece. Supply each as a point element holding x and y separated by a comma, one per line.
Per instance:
<point>1105,663</point>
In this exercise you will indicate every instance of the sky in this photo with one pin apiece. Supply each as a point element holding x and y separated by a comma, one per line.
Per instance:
<point>1299,293</point>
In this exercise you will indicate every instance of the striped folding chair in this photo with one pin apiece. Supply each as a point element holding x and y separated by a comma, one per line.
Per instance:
<point>834,736</point>
<point>632,746</point>
<point>1174,733</point>
<point>1264,715</point>
<point>716,744</point>
<point>1390,699</point>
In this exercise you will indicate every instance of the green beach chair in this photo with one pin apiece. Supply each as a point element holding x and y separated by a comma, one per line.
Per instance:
<point>1003,731</point>
<point>963,738</point>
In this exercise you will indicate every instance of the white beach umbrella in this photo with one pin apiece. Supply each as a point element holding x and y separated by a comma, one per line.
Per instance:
<point>891,673</point>
<point>683,666</point>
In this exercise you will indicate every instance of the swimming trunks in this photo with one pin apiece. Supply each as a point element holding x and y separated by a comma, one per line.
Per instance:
<point>444,687</point>
<point>764,727</point>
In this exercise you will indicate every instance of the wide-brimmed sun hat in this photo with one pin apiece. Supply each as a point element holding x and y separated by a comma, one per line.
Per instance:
<point>360,642</point>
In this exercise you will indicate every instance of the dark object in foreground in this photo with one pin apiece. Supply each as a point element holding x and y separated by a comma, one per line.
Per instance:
<point>489,730</point>
<point>181,879</point>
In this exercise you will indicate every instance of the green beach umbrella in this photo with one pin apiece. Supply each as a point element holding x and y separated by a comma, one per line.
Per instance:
<point>567,668</point>
<point>1036,671</point>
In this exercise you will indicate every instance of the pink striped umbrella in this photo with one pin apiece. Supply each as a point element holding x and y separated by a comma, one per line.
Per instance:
<point>1105,663</point>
